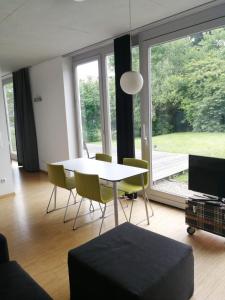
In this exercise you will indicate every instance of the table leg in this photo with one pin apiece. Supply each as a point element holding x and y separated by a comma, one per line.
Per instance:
<point>115,203</point>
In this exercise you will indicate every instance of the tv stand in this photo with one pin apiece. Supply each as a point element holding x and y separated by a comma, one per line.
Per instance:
<point>206,214</point>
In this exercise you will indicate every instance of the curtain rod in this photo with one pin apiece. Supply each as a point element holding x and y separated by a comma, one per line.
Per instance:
<point>6,75</point>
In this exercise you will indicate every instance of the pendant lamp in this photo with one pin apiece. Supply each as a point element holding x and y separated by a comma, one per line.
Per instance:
<point>131,82</point>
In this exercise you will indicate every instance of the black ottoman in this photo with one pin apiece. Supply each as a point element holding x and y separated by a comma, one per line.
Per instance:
<point>129,262</point>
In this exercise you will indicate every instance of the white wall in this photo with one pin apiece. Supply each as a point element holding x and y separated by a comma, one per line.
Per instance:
<point>54,115</point>
<point>6,187</point>
<point>68,80</point>
<point>50,114</point>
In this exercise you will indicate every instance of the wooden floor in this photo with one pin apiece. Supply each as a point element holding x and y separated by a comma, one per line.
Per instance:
<point>40,241</point>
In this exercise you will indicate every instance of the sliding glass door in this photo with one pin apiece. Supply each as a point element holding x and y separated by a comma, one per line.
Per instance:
<point>111,98</point>
<point>187,106</point>
<point>96,107</point>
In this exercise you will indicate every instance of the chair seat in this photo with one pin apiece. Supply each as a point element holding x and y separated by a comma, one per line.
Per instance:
<point>70,183</point>
<point>107,193</point>
<point>129,188</point>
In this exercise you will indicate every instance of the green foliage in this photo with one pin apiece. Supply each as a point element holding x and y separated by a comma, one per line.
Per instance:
<point>90,109</point>
<point>187,84</point>
<point>188,78</point>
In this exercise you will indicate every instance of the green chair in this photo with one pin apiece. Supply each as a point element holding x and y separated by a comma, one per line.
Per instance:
<point>57,176</point>
<point>88,186</point>
<point>134,184</point>
<point>103,157</point>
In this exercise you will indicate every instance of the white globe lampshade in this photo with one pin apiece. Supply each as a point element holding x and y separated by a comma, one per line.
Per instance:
<point>131,82</point>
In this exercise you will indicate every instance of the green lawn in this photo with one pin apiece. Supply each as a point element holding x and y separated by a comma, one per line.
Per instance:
<point>199,143</point>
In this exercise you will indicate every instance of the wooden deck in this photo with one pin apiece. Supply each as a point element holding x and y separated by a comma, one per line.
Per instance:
<point>164,164</point>
<point>167,164</point>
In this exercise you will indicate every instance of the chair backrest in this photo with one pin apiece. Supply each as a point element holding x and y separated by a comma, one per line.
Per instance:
<point>87,186</point>
<point>103,157</point>
<point>139,163</point>
<point>56,175</point>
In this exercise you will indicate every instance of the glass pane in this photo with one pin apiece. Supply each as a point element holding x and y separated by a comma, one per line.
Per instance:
<point>188,101</point>
<point>9,101</point>
<point>88,81</point>
<point>112,101</point>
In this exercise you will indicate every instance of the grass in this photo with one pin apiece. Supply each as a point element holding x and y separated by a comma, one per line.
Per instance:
<point>183,177</point>
<point>198,143</point>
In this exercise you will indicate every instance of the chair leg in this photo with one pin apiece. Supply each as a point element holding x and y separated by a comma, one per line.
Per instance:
<point>145,199</point>
<point>146,208</point>
<point>75,219</point>
<point>131,209</point>
<point>55,197</point>
<point>101,210</point>
<point>53,192</point>
<point>103,217</point>
<point>91,207</point>
<point>68,201</point>
<point>146,196</point>
<point>123,210</point>
<point>74,197</point>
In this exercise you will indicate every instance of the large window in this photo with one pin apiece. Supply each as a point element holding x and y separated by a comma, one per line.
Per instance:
<point>111,95</point>
<point>112,101</point>
<point>188,105</point>
<point>89,92</point>
<point>9,104</point>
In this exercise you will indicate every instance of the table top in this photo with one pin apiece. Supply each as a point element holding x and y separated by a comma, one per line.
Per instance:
<point>105,170</point>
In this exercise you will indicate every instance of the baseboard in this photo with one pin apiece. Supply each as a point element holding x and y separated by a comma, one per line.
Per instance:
<point>7,195</point>
<point>43,171</point>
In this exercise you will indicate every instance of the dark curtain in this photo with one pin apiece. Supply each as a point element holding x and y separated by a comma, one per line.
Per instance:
<point>26,140</point>
<point>124,102</point>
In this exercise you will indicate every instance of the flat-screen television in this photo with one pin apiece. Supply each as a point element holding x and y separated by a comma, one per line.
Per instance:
<point>207,175</point>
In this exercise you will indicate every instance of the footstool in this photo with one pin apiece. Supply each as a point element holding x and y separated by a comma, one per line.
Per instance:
<point>129,262</point>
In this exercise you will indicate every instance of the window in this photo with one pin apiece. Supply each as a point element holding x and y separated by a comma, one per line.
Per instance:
<point>89,93</point>
<point>112,102</point>
<point>188,105</point>
<point>9,104</point>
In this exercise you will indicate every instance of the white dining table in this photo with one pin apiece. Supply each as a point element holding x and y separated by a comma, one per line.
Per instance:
<point>111,172</point>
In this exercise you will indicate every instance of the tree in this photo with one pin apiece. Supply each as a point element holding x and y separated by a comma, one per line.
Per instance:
<point>90,109</point>
<point>188,80</point>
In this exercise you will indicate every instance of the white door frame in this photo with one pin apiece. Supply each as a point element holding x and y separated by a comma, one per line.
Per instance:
<point>146,115</point>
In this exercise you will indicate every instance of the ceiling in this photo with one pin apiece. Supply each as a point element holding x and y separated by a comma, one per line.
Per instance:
<point>32,31</point>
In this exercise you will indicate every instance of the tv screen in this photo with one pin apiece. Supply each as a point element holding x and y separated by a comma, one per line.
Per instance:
<point>207,175</point>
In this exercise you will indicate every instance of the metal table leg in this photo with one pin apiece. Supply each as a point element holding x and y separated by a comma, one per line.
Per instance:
<point>115,203</point>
